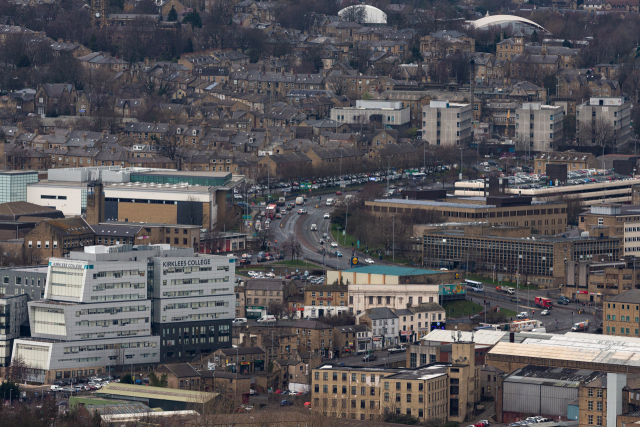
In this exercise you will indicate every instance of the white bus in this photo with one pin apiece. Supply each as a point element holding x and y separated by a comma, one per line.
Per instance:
<point>474,286</point>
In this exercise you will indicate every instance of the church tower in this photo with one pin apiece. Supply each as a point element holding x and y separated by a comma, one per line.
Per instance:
<point>99,13</point>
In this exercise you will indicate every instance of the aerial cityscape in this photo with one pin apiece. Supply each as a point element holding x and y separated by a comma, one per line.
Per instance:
<point>325,213</point>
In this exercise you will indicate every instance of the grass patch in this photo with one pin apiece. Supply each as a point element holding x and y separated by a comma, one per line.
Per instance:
<point>294,262</point>
<point>373,251</point>
<point>489,281</point>
<point>508,313</point>
<point>462,308</point>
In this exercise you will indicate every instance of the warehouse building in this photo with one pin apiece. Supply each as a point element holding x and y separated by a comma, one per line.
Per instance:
<point>538,390</point>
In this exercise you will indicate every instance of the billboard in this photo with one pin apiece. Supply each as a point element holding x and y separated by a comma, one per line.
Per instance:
<point>456,289</point>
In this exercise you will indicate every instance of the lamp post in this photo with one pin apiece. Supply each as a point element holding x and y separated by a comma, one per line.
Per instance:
<point>460,158</point>
<point>393,247</point>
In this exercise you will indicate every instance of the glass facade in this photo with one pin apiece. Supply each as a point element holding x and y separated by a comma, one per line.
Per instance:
<point>202,181</point>
<point>13,185</point>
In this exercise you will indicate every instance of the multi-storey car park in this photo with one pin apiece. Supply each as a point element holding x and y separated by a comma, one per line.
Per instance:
<point>126,305</point>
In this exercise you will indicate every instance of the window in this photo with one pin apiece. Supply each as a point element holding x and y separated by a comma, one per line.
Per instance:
<point>590,406</point>
<point>599,392</point>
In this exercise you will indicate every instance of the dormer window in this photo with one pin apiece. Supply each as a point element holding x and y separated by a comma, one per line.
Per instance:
<point>178,131</point>
<point>194,132</point>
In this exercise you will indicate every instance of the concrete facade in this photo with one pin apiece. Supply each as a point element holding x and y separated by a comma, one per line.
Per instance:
<point>540,126</point>
<point>447,123</point>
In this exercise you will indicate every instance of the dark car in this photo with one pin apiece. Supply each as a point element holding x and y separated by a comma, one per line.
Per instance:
<point>286,403</point>
<point>245,261</point>
<point>369,358</point>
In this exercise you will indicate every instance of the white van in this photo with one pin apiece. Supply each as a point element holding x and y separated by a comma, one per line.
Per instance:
<point>267,319</point>
<point>239,321</point>
<point>56,388</point>
<point>329,202</point>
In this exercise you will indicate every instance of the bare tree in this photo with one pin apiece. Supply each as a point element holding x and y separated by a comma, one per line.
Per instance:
<point>600,133</point>
<point>292,247</point>
<point>355,13</point>
<point>191,212</point>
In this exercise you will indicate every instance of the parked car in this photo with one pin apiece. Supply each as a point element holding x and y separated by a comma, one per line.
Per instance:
<point>252,392</point>
<point>286,403</point>
<point>369,358</point>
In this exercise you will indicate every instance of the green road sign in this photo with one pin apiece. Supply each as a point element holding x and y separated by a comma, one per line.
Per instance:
<point>246,216</point>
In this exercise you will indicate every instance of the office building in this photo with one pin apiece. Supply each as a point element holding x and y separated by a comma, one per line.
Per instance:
<point>13,185</point>
<point>29,281</point>
<point>547,217</point>
<point>539,126</point>
<point>604,122</point>
<point>588,194</point>
<point>447,391</point>
<point>388,113</point>
<point>592,282</point>
<point>447,123</point>
<point>107,307</point>
<point>13,313</point>
<point>540,260</point>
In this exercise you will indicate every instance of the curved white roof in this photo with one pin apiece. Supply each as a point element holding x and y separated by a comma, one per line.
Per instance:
<point>374,15</point>
<point>488,21</point>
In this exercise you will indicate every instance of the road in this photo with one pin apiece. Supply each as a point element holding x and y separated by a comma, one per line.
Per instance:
<point>560,320</point>
<point>382,358</point>
<point>299,226</point>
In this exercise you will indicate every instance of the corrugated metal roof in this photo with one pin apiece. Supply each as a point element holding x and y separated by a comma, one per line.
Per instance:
<point>147,392</point>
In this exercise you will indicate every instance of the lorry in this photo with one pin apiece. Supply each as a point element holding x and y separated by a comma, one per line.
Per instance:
<point>299,200</point>
<point>525,325</point>
<point>506,289</point>
<point>270,212</point>
<point>544,302</point>
<point>399,349</point>
<point>580,326</point>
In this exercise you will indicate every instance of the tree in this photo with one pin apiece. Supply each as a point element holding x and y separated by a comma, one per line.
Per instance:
<point>155,381</point>
<point>599,133</point>
<point>93,42</point>
<point>194,19</point>
<point>127,379</point>
<point>355,13</point>
<point>277,309</point>
<point>9,388</point>
<point>291,247</point>
<point>191,212</point>
<point>173,15</point>
<point>434,422</point>
<point>19,370</point>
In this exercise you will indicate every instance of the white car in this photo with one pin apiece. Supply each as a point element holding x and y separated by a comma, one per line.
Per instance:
<point>238,196</point>
<point>327,216</point>
<point>252,273</point>
<point>545,312</point>
<point>368,261</point>
<point>522,315</point>
<point>314,227</point>
<point>334,245</point>
<point>270,274</point>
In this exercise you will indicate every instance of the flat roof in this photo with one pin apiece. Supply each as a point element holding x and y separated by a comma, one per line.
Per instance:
<point>432,203</point>
<point>578,347</point>
<point>390,270</point>
<point>183,173</point>
<point>483,336</point>
<point>161,393</point>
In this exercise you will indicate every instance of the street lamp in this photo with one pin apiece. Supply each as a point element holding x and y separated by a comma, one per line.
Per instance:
<point>393,247</point>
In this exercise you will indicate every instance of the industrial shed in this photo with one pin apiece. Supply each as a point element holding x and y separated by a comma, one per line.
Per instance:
<point>539,390</point>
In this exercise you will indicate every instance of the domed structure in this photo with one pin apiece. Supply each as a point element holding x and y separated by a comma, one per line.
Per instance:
<point>503,20</point>
<point>363,14</point>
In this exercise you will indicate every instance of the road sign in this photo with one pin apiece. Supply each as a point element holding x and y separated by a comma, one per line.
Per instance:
<point>246,216</point>
<point>358,244</point>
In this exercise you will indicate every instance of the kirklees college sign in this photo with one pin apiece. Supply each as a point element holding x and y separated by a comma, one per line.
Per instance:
<point>186,263</point>
<point>68,265</point>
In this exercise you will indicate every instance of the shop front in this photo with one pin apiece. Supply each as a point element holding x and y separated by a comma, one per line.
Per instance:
<point>364,344</point>
<point>422,332</point>
<point>378,342</point>
<point>255,312</point>
<point>406,336</point>
<point>245,367</point>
